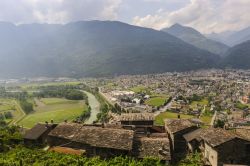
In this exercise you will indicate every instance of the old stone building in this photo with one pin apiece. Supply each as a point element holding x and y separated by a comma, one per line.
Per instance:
<point>176,128</point>
<point>193,140</point>
<point>104,142</point>
<point>38,134</point>
<point>107,142</point>
<point>219,146</point>
<point>155,145</point>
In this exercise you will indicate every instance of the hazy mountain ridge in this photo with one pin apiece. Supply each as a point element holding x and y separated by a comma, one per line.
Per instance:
<point>94,48</point>
<point>232,38</point>
<point>195,38</point>
<point>238,56</point>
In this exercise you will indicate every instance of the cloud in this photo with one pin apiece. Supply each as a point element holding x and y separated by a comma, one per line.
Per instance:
<point>205,15</point>
<point>57,11</point>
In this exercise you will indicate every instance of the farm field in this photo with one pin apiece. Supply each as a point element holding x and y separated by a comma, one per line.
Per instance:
<point>202,102</point>
<point>138,89</point>
<point>11,106</point>
<point>206,119</point>
<point>55,109</point>
<point>157,100</point>
<point>50,101</point>
<point>159,119</point>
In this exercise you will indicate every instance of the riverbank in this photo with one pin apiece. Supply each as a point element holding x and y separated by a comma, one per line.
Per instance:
<point>95,107</point>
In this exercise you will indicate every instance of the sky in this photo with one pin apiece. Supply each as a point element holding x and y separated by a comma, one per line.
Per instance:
<point>207,16</point>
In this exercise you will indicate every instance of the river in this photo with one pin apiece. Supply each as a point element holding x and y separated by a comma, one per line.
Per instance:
<point>95,107</point>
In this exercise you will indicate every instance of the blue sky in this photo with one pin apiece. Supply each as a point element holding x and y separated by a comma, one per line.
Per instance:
<point>206,16</point>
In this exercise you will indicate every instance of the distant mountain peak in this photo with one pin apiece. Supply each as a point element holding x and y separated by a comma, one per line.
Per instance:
<point>194,37</point>
<point>177,25</point>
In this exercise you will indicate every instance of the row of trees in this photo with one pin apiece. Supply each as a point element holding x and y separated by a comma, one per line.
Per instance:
<point>6,115</point>
<point>70,92</point>
<point>17,95</point>
<point>26,106</point>
<point>85,115</point>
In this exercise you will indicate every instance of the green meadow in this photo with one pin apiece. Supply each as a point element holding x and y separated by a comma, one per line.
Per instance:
<point>55,109</point>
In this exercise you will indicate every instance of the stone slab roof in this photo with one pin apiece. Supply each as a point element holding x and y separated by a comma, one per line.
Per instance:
<point>176,125</point>
<point>37,131</point>
<point>136,117</point>
<point>95,136</point>
<point>152,147</point>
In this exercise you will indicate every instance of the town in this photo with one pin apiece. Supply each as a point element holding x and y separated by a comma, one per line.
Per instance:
<point>166,116</point>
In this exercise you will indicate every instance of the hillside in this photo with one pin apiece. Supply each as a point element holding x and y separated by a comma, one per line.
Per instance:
<point>232,38</point>
<point>195,38</point>
<point>94,48</point>
<point>238,56</point>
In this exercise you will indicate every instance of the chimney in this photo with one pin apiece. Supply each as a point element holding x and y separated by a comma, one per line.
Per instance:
<point>179,116</point>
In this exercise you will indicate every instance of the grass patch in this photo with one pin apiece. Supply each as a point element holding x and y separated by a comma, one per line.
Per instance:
<point>159,119</point>
<point>58,110</point>
<point>155,101</point>
<point>6,107</point>
<point>7,104</point>
<point>206,119</point>
<point>139,89</point>
<point>241,106</point>
<point>50,101</point>
<point>202,102</point>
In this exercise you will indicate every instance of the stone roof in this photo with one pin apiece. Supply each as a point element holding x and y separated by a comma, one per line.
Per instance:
<point>95,136</point>
<point>37,131</point>
<point>217,136</point>
<point>152,147</point>
<point>193,135</point>
<point>66,130</point>
<point>176,125</point>
<point>136,117</point>
<point>244,132</point>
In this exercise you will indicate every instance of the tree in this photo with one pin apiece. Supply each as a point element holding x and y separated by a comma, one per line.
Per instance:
<point>26,106</point>
<point>219,123</point>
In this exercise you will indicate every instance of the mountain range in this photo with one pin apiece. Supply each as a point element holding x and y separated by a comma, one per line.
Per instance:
<point>192,36</point>
<point>231,38</point>
<point>238,56</point>
<point>109,48</point>
<point>94,48</point>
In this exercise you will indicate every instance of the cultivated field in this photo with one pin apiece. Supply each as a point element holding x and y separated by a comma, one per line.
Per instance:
<point>203,102</point>
<point>159,119</point>
<point>157,100</point>
<point>10,105</point>
<point>55,109</point>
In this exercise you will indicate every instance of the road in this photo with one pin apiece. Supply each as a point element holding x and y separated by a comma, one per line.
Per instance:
<point>95,107</point>
<point>14,122</point>
<point>163,109</point>
<point>213,119</point>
